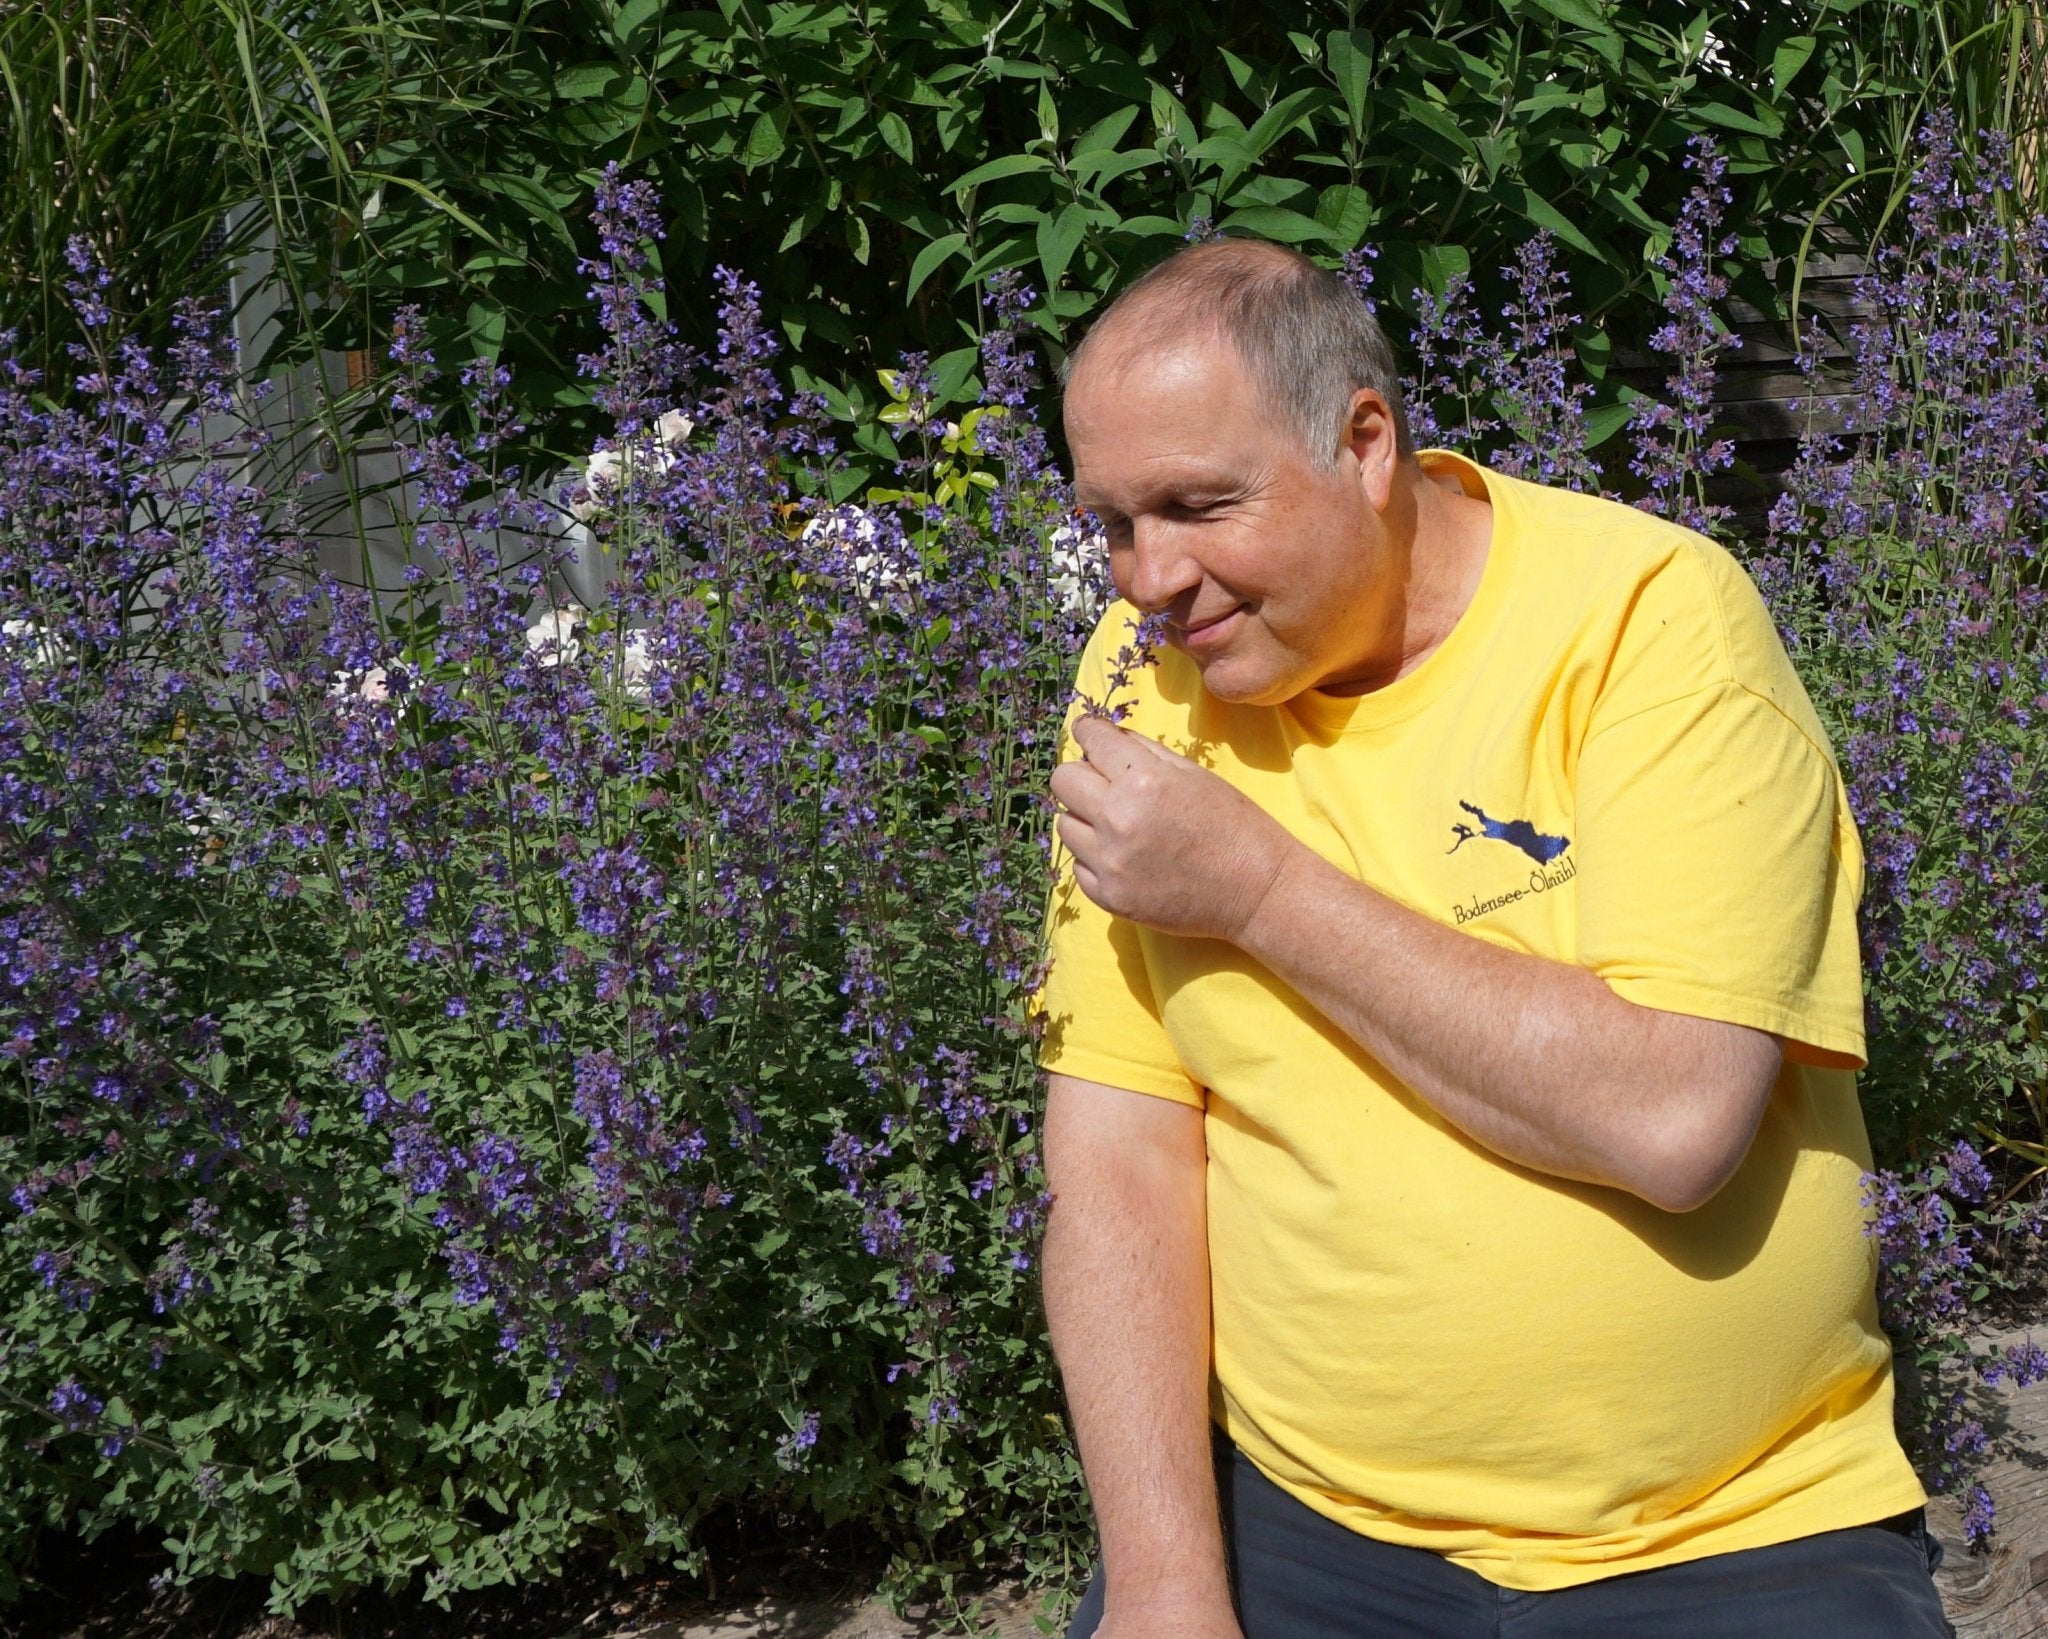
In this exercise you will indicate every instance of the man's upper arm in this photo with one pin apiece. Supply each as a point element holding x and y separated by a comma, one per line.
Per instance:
<point>1718,865</point>
<point>1718,875</point>
<point>1091,1128</point>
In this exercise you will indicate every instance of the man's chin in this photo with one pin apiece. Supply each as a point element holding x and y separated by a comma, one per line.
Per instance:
<point>1234,683</point>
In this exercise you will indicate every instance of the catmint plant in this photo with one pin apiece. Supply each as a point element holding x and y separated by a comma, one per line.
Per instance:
<point>1904,563</point>
<point>1513,391</point>
<point>487,1071</point>
<point>1675,450</point>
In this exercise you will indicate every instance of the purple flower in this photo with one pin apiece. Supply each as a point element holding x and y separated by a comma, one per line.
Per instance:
<point>73,1406</point>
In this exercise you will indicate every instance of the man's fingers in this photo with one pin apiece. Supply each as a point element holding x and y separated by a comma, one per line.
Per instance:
<point>1117,749</point>
<point>1105,745</point>
<point>1077,787</point>
<point>1077,836</point>
<point>1140,747</point>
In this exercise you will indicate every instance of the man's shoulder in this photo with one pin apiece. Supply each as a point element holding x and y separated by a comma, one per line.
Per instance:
<point>1671,586</point>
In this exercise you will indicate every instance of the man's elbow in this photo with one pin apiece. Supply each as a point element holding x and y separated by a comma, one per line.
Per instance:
<point>1687,1161</point>
<point>1683,1185</point>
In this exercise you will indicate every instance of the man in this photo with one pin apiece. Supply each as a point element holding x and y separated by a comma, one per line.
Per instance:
<point>1452,1022</point>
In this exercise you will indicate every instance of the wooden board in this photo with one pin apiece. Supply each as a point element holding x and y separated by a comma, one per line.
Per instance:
<point>2003,1594</point>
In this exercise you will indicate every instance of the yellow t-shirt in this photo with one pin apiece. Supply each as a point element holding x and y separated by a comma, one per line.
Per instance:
<point>1609,762</point>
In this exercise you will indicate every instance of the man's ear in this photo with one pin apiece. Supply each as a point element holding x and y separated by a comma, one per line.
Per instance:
<point>1374,443</point>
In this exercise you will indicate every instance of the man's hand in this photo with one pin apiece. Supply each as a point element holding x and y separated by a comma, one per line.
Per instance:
<point>1163,841</point>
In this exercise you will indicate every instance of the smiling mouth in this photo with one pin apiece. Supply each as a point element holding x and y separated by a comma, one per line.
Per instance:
<point>1198,634</point>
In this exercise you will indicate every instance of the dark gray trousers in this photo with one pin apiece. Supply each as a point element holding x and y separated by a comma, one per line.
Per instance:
<point>1298,1575</point>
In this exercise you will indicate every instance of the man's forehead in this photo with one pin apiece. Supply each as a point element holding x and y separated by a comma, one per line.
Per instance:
<point>1135,356</point>
<point>1126,479</point>
<point>1176,418</point>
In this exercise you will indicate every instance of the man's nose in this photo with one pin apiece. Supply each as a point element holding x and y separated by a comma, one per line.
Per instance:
<point>1162,569</point>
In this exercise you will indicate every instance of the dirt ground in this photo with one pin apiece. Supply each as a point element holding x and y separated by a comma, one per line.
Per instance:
<point>759,1588</point>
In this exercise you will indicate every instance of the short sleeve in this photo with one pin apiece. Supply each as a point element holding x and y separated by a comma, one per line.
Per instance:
<point>1099,1015</point>
<point>1719,870</point>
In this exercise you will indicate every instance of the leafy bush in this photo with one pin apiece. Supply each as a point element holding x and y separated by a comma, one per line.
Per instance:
<point>1905,564</point>
<point>1948,1239</point>
<point>871,164</point>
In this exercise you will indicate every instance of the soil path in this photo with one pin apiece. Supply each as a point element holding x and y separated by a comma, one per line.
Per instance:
<point>1002,1617</point>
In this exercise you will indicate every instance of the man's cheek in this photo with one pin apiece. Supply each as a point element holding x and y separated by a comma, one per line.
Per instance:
<point>1121,562</point>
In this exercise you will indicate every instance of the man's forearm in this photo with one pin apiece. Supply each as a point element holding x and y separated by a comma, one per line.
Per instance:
<point>1538,1060</point>
<point>1127,1299</point>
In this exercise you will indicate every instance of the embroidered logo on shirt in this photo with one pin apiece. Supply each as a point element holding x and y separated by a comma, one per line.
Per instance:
<point>1517,833</point>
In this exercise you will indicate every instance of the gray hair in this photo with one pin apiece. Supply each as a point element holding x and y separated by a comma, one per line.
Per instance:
<point>1305,336</point>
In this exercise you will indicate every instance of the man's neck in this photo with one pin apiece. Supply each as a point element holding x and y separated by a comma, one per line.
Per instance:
<point>1444,536</point>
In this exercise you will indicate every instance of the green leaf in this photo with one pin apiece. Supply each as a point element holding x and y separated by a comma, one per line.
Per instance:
<point>1059,236</point>
<point>1548,217</point>
<point>1105,133</point>
<point>1349,54</point>
<point>1107,165</point>
<point>803,225</point>
<point>1579,13</point>
<point>857,236</point>
<point>951,370</point>
<point>1789,59</point>
<point>1278,120</point>
<point>896,133</point>
<point>1604,421</point>
<point>1227,146</point>
<point>581,80</point>
<point>1439,121</point>
<point>632,17</point>
<point>766,140</point>
<point>996,169</point>
<point>1346,211</point>
<point>487,328</point>
<point>929,260</point>
<point>1733,119</point>
<point>1273,222</point>
<point>1152,227</point>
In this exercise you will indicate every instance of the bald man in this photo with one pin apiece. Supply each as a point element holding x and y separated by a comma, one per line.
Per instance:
<point>1452,1026</point>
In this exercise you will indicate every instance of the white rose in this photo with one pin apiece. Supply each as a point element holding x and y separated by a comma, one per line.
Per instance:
<point>553,637</point>
<point>601,477</point>
<point>1073,553</point>
<point>48,648</point>
<point>204,817</point>
<point>371,683</point>
<point>852,536</point>
<point>606,472</point>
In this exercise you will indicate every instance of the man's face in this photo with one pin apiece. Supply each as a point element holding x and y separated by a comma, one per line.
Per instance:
<point>1273,574</point>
